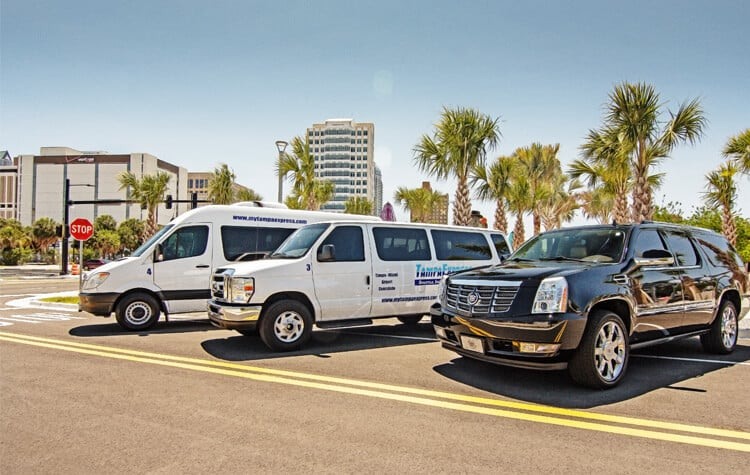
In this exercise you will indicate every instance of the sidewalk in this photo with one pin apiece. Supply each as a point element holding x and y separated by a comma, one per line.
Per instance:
<point>31,270</point>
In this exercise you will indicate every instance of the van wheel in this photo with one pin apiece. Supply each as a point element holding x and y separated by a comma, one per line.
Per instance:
<point>602,356</point>
<point>410,319</point>
<point>286,325</point>
<point>722,337</point>
<point>138,311</point>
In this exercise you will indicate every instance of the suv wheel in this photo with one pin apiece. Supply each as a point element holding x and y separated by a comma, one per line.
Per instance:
<point>602,356</point>
<point>722,337</point>
<point>286,325</point>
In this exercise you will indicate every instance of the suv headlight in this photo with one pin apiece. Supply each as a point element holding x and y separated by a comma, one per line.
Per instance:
<point>241,289</point>
<point>93,281</point>
<point>552,296</point>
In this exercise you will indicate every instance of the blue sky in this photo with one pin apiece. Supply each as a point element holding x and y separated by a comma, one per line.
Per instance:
<point>201,83</point>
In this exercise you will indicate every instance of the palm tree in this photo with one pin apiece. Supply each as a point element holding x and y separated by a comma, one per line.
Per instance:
<point>149,191</point>
<point>300,167</point>
<point>519,203</point>
<point>43,233</point>
<point>561,205</point>
<point>358,205</point>
<point>721,192</point>
<point>493,183</point>
<point>597,204</point>
<point>738,149</point>
<point>221,185</point>
<point>633,114</point>
<point>247,194</point>
<point>459,145</point>
<point>418,201</point>
<point>539,164</point>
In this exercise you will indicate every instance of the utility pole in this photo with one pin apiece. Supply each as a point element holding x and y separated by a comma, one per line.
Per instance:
<point>65,226</point>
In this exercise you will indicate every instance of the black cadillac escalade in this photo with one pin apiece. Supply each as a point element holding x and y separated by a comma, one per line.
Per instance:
<point>581,298</point>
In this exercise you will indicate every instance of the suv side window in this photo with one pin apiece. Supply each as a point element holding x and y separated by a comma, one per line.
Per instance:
<point>718,250</point>
<point>349,246</point>
<point>189,241</point>
<point>682,248</point>
<point>648,239</point>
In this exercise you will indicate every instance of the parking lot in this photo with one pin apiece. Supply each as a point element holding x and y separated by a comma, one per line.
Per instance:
<point>79,394</point>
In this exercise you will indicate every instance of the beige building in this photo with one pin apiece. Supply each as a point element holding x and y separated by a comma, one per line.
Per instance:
<point>93,176</point>
<point>343,151</point>
<point>439,213</point>
<point>8,186</point>
<point>197,182</point>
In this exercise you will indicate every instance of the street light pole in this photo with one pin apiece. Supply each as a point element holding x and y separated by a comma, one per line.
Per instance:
<point>281,146</point>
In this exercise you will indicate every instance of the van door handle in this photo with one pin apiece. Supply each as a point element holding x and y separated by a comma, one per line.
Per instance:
<point>367,280</point>
<point>202,266</point>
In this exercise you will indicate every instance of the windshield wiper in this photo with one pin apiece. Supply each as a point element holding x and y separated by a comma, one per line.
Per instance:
<point>520,259</point>
<point>561,258</point>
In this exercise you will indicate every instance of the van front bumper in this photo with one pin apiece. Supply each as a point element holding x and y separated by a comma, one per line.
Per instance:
<point>99,304</point>
<point>529,341</point>
<point>234,317</point>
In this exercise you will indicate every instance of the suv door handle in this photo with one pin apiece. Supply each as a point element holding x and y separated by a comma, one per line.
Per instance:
<point>202,266</point>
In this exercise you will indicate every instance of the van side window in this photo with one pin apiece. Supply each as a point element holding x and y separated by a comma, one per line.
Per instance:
<point>460,246</point>
<point>349,245</point>
<point>501,245</point>
<point>401,244</point>
<point>682,248</point>
<point>243,241</point>
<point>648,240</point>
<point>189,241</point>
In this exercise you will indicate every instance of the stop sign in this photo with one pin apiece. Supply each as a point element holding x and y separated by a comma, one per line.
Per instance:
<point>81,229</point>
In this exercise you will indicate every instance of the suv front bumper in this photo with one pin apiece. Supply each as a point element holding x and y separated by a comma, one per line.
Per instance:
<point>504,341</point>
<point>234,318</point>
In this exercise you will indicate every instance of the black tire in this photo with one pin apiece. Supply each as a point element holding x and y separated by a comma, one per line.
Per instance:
<point>138,311</point>
<point>286,325</point>
<point>410,320</point>
<point>602,356</point>
<point>722,338</point>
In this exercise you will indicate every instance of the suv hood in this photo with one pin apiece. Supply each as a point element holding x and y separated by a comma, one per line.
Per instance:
<point>515,271</point>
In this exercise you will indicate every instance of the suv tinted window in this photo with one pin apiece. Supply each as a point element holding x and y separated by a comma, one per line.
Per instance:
<point>682,248</point>
<point>401,244</point>
<point>718,250</point>
<point>460,246</point>
<point>349,246</point>
<point>648,239</point>
<point>239,240</point>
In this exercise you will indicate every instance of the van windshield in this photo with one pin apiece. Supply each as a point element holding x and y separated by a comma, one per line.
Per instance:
<point>299,242</point>
<point>588,245</point>
<point>138,252</point>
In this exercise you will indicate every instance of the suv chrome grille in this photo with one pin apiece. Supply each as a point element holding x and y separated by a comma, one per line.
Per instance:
<point>480,300</point>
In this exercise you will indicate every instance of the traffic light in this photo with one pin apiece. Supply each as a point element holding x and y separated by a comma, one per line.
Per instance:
<point>168,202</point>
<point>194,200</point>
<point>59,230</point>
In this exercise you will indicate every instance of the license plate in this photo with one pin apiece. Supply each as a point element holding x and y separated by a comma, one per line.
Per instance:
<point>440,332</point>
<point>472,343</point>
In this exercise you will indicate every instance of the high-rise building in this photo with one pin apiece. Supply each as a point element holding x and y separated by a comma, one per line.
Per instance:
<point>343,151</point>
<point>439,214</point>
<point>92,176</point>
<point>378,201</point>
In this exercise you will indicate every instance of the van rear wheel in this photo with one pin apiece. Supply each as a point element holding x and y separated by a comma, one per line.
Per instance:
<point>410,319</point>
<point>138,311</point>
<point>286,325</point>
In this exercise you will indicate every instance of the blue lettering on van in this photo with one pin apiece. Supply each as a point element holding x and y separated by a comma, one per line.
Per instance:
<point>269,219</point>
<point>431,274</point>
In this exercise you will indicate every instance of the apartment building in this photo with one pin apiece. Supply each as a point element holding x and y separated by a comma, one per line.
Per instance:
<point>93,176</point>
<point>343,151</point>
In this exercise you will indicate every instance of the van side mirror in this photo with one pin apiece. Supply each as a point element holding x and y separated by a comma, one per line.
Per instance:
<point>327,253</point>
<point>655,258</point>
<point>158,253</point>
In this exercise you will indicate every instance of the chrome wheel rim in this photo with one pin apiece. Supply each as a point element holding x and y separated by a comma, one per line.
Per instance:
<point>728,327</point>
<point>288,326</point>
<point>138,313</point>
<point>610,351</point>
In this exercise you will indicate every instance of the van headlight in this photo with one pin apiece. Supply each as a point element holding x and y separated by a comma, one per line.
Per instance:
<point>552,296</point>
<point>241,289</point>
<point>93,281</point>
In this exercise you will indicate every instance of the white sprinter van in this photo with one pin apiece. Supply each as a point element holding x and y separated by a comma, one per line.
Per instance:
<point>171,272</point>
<point>342,274</point>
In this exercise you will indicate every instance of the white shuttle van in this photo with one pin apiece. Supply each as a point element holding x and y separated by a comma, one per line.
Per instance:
<point>171,272</point>
<point>341,274</point>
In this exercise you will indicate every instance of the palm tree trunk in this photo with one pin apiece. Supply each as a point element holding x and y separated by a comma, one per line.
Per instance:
<point>151,223</point>
<point>537,223</point>
<point>501,220</point>
<point>620,210</point>
<point>728,226</point>
<point>641,206</point>
<point>519,233</point>
<point>462,207</point>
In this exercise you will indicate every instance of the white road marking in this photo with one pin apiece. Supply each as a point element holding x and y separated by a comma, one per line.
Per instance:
<point>694,360</point>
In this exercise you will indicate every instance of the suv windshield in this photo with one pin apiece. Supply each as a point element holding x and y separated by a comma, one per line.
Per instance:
<point>299,242</point>
<point>587,245</point>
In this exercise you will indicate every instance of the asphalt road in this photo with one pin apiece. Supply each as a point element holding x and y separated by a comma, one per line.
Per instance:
<point>78,395</point>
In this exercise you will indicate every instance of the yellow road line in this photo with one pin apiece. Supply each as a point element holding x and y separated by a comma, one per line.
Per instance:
<point>376,390</point>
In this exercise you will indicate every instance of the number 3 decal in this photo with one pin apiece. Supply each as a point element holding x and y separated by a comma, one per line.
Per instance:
<point>308,267</point>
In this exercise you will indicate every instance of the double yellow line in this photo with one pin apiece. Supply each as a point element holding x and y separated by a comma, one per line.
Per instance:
<point>620,425</point>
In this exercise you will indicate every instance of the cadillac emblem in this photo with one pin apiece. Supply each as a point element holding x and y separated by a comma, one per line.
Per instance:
<point>473,297</point>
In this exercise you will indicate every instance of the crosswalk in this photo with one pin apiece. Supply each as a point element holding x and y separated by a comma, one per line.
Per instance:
<point>36,318</point>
